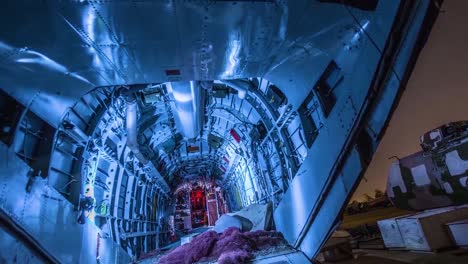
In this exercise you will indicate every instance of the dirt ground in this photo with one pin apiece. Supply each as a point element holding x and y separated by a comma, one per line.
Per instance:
<point>404,257</point>
<point>371,217</point>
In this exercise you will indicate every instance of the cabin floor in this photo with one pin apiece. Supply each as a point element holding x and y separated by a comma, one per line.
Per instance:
<point>230,246</point>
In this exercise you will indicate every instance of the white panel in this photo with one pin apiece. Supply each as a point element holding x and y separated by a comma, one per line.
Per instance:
<point>455,164</point>
<point>448,188</point>
<point>434,135</point>
<point>395,179</point>
<point>420,175</point>
<point>391,233</point>
<point>412,234</point>
<point>464,181</point>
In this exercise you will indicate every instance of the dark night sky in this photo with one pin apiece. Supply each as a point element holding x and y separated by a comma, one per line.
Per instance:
<point>437,93</point>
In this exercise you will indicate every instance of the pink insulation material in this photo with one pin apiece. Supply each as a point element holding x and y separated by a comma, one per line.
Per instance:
<point>231,246</point>
<point>234,245</point>
<point>151,254</point>
<point>192,252</point>
<point>234,257</point>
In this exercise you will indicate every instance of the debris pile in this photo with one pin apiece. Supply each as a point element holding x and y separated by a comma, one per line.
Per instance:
<point>231,246</point>
<point>151,254</point>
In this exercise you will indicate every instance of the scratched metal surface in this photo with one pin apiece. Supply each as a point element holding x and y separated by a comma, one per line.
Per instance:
<point>49,217</point>
<point>56,51</point>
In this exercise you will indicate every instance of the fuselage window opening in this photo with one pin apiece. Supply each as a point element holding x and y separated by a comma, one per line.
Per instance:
<point>307,108</point>
<point>296,136</point>
<point>10,114</point>
<point>33,142</point>
<point>325,86</point>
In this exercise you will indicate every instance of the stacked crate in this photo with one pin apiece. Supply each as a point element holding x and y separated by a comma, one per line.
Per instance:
<point>425,231</point>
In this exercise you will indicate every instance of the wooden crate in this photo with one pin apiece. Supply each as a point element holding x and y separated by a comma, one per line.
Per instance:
<point>427,231</point>
<point>390,232</point>
<point>459,232</point>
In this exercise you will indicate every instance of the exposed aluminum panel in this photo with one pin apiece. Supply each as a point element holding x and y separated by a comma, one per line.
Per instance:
<point>269,100</point>
<point>306,226</point>
<point>95,44</point>
<point>47,215</point>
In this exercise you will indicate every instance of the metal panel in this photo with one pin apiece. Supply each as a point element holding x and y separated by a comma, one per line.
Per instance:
<point>403,58</point>
<point>325,221</point>
<point>308,211</point>
<point>46,214</point>
<point>313,174</point>
<point>53,52</point>
<point>80,45</point>
<point>14,251</point>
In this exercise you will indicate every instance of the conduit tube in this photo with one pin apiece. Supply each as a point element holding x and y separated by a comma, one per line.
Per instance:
<point>188,105</point>
<point>132,132</point>
<point>132,142</point>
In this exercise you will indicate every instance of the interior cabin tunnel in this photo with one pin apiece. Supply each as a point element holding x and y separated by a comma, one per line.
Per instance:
<point>120,128</point>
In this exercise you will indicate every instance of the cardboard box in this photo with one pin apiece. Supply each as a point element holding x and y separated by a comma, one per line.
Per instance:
<point>390,232</point>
